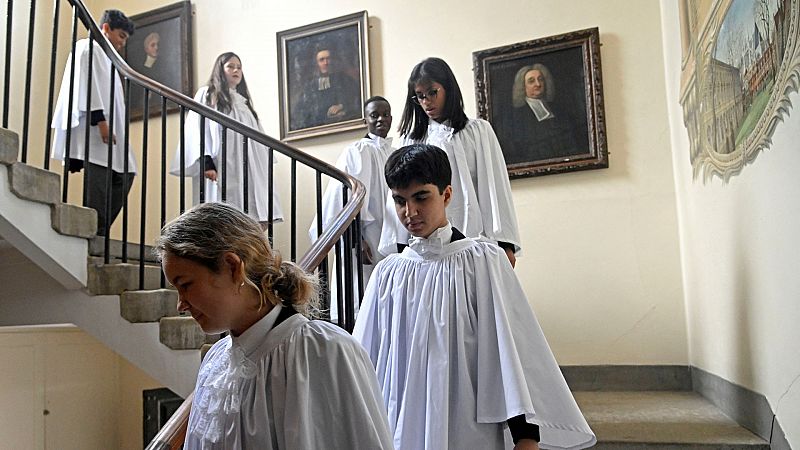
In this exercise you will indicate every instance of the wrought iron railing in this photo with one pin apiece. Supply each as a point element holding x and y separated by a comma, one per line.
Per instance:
<point>342,233</point>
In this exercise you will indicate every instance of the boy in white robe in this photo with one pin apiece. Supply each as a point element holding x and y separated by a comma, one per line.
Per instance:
<point>364,160</point>
<point>117,28</point>
<point>459,354</point>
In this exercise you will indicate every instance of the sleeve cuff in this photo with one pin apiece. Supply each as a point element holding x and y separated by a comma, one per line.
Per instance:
<point>520,429</point>
<point>208,163</point>
<point>506,246</point>
<point>97,117</point>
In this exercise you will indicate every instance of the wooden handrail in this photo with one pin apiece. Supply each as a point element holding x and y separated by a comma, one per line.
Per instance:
<point>173,434</point>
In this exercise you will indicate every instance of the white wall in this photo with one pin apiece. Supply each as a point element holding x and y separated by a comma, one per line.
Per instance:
<point>92,395</point>
<point>739,246</point>
<point>601,263</point>
<point>29,296</point>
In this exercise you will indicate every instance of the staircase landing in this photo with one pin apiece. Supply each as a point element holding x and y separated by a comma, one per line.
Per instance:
<point>664,420</point>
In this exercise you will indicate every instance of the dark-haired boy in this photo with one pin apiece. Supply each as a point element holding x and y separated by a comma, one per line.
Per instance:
<point>116,27</point>
<point>459,354</point>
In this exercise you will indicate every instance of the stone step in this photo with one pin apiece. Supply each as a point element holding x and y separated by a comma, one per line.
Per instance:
<point>114,279</point>
<point>9,146</point>
<point>97,248</point>
<point>43,186</point>
<point>148,306</point>
<point>73,220</point>
<point>183,333</point>
<point>38,185</point>
<point>662,420</point>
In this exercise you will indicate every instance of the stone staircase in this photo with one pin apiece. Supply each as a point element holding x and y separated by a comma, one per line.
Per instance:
<point>78,224</point>
<point>153,304</point>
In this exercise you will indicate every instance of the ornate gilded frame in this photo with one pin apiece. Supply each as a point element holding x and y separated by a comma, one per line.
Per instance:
<point>573,60</point>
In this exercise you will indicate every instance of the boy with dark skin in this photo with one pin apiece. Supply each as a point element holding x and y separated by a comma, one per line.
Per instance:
<point>459,354</point>
<point>364,160</point>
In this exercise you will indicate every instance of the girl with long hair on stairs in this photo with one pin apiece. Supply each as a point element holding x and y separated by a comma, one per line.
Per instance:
<point>227,92</point>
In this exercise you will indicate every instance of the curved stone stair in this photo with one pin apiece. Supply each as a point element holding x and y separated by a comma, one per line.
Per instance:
<point>116,278</point>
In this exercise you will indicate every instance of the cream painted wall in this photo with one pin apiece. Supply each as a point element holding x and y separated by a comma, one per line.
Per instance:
<point>94,396</point>
<point>42,44</point>
<point>132,381</point>
<point>739,246</point>
<point>601,264</point>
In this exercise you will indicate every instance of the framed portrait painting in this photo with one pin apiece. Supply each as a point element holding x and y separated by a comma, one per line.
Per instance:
<point>323,73</point>
<point>161,49</point>
<point>544,99</point>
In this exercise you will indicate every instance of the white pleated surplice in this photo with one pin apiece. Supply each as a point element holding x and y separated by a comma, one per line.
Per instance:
<point>458,350</point>
<point>481,205</point>
<point>79,117</point>
<point>302,385</point>
<point>364,160</point>
<point>257,161</point>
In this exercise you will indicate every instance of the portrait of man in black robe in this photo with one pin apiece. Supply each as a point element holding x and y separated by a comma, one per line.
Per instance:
<point>329,95</point>
<point>542,125</point>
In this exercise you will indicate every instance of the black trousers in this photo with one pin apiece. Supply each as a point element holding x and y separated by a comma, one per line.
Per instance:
<point>97,193</point>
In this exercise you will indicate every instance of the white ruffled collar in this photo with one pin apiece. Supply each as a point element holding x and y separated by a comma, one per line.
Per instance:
<point>383,143</point>
<point>440,131</point>
<point>236,97</point>
<point>433,244</point>
<point>432,124</point>
<point>221,393</point>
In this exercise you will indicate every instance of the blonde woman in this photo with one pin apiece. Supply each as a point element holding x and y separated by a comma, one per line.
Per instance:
<point>278,380</point>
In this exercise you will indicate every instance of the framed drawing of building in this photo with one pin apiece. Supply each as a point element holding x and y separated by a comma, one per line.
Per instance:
<point>741,59</point>
<point>544,98</point>
<point>323,73</point>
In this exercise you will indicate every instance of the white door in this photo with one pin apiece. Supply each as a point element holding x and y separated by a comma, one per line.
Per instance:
<point>58,390</point>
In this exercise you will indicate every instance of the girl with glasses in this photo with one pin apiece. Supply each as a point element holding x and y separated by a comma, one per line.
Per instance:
<point>481,203</point>
<point>227,92</point>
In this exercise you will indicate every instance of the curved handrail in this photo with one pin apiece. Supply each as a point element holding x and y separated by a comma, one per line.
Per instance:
<point>327,240</point>
<point>189,103</point>
<point>173,434</point>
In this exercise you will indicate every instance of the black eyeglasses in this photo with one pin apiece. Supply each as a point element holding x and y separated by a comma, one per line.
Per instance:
<point>430,95</point>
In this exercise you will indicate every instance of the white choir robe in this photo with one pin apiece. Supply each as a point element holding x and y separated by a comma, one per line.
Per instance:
<point>300,385</point>
<point>365,161</point>
<point>100,100</point>
<point>257,161</point>
<point>458,350</point>
<point>481,205</point>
